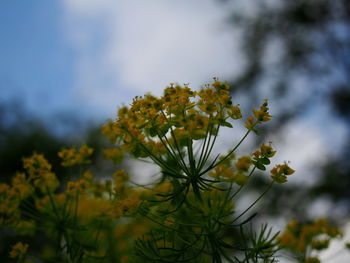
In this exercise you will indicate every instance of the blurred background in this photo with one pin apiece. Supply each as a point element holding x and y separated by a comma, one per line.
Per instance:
<point>66,66</point>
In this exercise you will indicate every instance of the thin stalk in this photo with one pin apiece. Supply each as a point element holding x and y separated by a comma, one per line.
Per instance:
<point>238,144</point>
<point>184,166</point>
<point>190,156</point>
<point>240,188</point>
<point>211,147</point>
<point>257,200</point>
<point>170,151</point>
<point>208,131</point>
<point>159,161</point>
<point>207,146</point>
<point>176,144</point>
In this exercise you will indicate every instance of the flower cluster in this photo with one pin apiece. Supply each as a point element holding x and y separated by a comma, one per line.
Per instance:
<point>165,129</point>
<point>73,156</point>
<point>228,171</point>
<point>306,239</point>
<point>39,172</point>
<point>19,250</point>
<point>32,203</point>
<point>280,172</point>
<point>115,155</point>
<point>259,116</point>
<point>154,126</point>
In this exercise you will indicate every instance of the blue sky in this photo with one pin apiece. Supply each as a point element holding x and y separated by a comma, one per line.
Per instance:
<point>91,56</point>
<point>37,62</point>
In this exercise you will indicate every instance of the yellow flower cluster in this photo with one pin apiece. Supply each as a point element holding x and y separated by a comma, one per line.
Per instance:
<point>115,155</point>
<point>262,156</point>
<point>280,172</point>
<point>96,208</point>
<point>304,238</point>
<point>120,179</point>
<point>260,115</point>
<point>127,207</point>
<point>36,165</point>
<point>9,202</point>
<point>38,176</point>
<point>152,125</point>
<point>19,250</point>
<point>266,151</point>
<point>39,171</point>
<point>22,186</point>
<point>73,156</point>
<point>226,171</point>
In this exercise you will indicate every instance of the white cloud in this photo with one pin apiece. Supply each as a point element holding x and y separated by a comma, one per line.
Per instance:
<point>303,145</point>
<point>127,48</point>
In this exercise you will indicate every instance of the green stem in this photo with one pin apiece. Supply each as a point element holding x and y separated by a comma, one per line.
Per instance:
<point>257,200</point>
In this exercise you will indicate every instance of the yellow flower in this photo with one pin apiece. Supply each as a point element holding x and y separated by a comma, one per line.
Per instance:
<point>243,163</point>
<point>164,188</point>
<point>280,172</point>
<point>267,151</point>
<point>234,112</point>
<point>307,237</point>
<point>18,250</point>
<point>22,186</point>
<point>126,207</point>
<point>88,176</point>
<point>81,186</point>
<point>120,180</point>
<point>261,115</point>
<point>69,157</point>
<point>9,203</point>
<point>115,155</point>
<point>249,124</point>
<point>92,208</point>
<point>85,152</point>
<point>36,165</point>
<point>287,239</point>
<point>110,130</point>
<point>121,175</point>
<point>292,225</point>
<point>47,182</point>
<point>73,156</point>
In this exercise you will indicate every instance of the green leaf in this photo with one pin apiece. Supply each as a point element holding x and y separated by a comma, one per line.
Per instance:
<point>223,122</point>
<point>260,166</point>
<point>227,124</point>
<point>265,161</point>
<point>152,131</point>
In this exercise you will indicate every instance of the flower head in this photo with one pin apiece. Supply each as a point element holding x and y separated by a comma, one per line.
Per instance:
<point>18,250</point>
<point>74,156</point>
<point>280,172</point>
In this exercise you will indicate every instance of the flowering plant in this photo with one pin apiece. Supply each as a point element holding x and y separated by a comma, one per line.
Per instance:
<point>187,215</point>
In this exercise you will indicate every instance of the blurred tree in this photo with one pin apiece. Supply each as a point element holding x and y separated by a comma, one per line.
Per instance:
<point>22,134</point>
<point>297,53</point>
